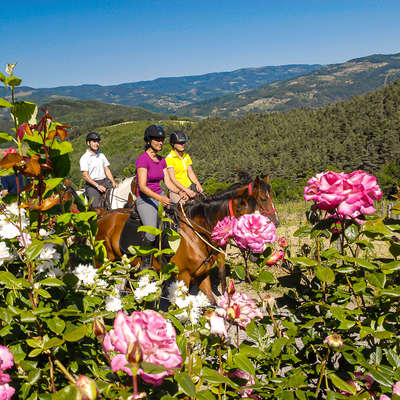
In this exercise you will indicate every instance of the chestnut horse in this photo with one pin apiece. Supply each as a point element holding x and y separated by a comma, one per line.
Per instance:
<point>197,253</point>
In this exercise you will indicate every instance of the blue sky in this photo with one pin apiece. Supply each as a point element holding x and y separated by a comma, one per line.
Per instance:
<point>108,42</point>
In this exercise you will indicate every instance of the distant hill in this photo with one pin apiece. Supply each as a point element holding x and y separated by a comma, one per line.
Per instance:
<point>86,115</point>
<point>168,94</point>
<point>321,87</point>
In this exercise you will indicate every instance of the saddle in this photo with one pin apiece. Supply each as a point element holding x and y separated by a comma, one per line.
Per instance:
<point>131,237</point>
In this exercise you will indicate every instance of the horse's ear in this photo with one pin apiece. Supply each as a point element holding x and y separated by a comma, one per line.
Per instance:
<point>257,181</point>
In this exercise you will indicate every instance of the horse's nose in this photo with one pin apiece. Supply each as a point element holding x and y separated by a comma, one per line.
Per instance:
<point>277,222</point>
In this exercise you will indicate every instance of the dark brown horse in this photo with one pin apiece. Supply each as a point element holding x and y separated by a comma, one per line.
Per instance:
<point>197,253</point>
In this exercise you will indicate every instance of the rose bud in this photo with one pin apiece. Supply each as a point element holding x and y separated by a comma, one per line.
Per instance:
<point>87,388</point>
<point>98,328</point>
<point>231,288</point>
<point>334,341</point>
<point>283,242</point>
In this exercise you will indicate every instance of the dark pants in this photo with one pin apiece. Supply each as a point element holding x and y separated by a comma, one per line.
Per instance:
<point>95,195</point>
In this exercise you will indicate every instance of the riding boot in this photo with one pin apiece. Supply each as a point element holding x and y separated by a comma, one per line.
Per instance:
<point>147,260</point>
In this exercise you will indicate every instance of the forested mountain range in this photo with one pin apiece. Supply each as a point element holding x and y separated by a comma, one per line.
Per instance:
<point>358,133</point>
<point>326,85</point>
<point>87,115</point>
<point>168,94</point>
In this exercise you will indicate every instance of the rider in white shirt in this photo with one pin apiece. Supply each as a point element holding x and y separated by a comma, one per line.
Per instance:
<point>95,170</point>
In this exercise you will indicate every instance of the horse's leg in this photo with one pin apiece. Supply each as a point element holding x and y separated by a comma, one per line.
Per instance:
<point>222,272</point>
<point>205,287</point>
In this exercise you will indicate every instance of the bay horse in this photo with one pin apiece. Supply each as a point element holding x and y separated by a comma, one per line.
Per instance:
<point>197,253</point>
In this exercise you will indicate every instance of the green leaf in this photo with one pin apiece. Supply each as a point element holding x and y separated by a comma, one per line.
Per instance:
<point>393,358</point>
<point>28,316</point>
<point>53,282</point>
<point>14,81</point>
<point>365,264</point>
<point>240,272</point>
<point>149,229</point>
<point>341,384</point>
<point>51,184</point>
<point>186,384</point>
<point>62,148</point>
<point>5,137</point>
<point>381,378</point>
<point>53,342</point>
<point>34,343</point>
<point>4,103</point>
<point>8,279</point>
<point>34,250</point>
<point>351,233</point>
<point>359,286</point>
<point>23,111</point>
<point>35,352</point>
<point>34,376</point>
<point>213,376</point>
<point>266,277</point>
<point>391,266</point>
<point>242,362</point>
<point>57,325</point>
<point>70,392</point>
<point>76,334</point>
<point>205,395</point>
<point>277,346</point>
<point>151,368</point>
<point>376,279</point>
<point>325,274</point>
<point>307,262</point>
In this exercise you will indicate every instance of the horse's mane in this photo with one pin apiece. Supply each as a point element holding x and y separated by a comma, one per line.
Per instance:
<point>209,206</point>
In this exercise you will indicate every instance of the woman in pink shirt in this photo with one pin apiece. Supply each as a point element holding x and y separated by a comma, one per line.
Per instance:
<point>151,169</point>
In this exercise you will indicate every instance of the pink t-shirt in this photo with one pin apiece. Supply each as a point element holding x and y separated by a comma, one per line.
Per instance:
<point>155,171</point>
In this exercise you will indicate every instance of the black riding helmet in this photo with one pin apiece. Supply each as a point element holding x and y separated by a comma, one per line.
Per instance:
<point>154,131</point>
<point>177,137</point>
<point>93,136</point>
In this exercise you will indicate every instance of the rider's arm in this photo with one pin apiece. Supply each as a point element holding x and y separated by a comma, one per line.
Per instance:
<point>88,179</point>
<point>192,176</point>
<point>180,187</point>
<point>142,183</point>
<point>174,185</point>
<point>110,176</point>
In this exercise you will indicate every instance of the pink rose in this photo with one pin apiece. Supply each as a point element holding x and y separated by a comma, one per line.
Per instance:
<point>275,257</point>
<point>245,308</point>
<point>352,195</point>
<point>157,340</point>
<point>11,150</point>
<point>384,397</point>
<point>4,378</point>
<point>87,388</point>
<point>245,393</point>
<point>222,232</point>
<point>217,322</point>
<point>396,388</point>
<point>6,392</point>
<point>254,231</point>
<point>6,358</point>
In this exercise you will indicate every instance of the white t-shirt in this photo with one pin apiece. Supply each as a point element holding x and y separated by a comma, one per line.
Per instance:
<point>94,165</point>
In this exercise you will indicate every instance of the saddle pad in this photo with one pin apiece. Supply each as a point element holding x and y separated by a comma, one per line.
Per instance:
<point>131,237</point>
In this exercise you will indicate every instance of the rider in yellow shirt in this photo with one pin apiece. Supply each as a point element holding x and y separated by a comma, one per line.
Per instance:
<point>180,168</point>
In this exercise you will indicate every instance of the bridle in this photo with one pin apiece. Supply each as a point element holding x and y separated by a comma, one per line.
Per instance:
<point>261,209</point>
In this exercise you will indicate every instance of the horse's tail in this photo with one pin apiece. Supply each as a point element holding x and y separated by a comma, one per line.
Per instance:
<point>70,188</point>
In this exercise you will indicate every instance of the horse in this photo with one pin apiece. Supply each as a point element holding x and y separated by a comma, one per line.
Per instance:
<point>122,195</point>
<point>196,253</point>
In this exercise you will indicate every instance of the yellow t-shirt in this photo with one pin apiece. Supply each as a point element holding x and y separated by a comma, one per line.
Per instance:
<point>180,166</point>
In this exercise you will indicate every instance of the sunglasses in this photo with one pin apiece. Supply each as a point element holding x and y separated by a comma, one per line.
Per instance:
<point>158,139</point>
<point>181,143</point>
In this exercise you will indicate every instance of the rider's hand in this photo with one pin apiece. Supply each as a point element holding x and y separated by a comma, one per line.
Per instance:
<point>101,188</point>
<point>199,188</point>
<point>165,200</point>
<point>191,193</point>
<point>183,195</point>
<point>114,185</point>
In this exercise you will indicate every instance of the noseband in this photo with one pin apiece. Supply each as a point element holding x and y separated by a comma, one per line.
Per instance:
<point>262,210</point>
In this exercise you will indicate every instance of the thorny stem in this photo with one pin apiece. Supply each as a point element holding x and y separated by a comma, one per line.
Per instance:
<point>53,386</point>
<point>135,385</point>
<point>321,375</point>
<point>188,349</point>
<point>64,371</point>
<point>221,370</point>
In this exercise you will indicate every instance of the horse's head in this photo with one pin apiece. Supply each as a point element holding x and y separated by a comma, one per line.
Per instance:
<point>261,192</point>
